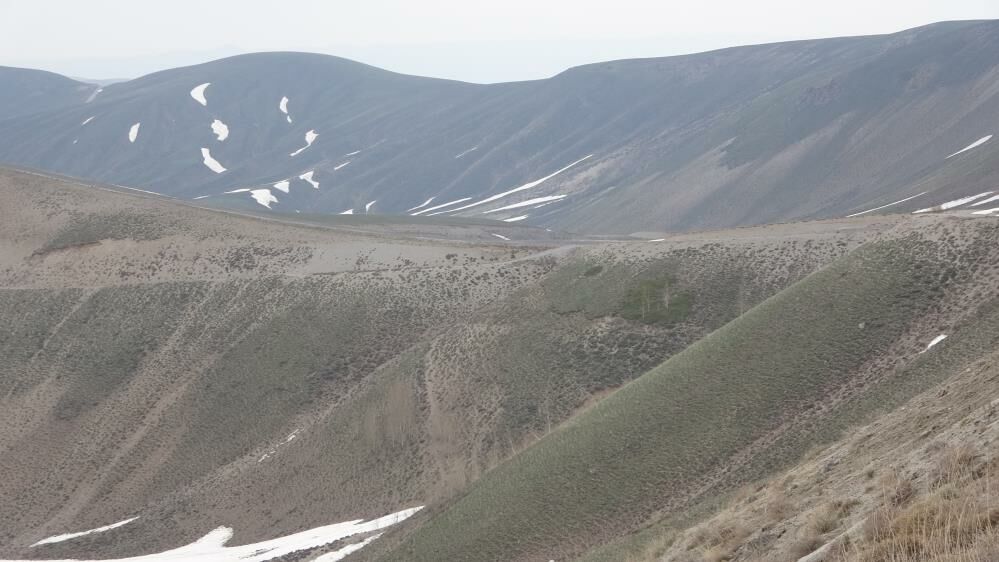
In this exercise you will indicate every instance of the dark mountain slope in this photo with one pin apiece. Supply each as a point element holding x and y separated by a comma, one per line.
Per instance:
<point>747,135</point>
<point>25,91</point>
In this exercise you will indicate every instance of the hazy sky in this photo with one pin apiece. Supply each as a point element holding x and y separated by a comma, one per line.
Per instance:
<point>464,39</point>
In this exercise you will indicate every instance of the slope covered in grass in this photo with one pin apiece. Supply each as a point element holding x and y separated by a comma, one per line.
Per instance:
<point>745,400</point>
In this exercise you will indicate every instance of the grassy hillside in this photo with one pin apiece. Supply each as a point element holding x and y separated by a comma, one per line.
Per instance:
<point>202,369</point>
<point>738,404</point>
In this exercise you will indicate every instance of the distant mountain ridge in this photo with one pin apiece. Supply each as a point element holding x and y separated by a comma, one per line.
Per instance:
<point>735,137</point>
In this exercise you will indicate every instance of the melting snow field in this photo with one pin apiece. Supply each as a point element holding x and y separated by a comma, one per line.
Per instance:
<point>263,196</point>
<point>283,185</point>
<point>528,203</point>
<point>528,185</point>
<point>421,205</point>
<point>220,129</point>
<point>210,162</point>
<point>975,144</point>
<point>310,137</point>
<point>308,176</point>
<point>71,536</point>
<point>441,206</point>
<point>954,203</point>
<point>283,106</point>
<point>133,133</point>
<point>885,206</point>
<point>198,93</point>
<point>211,547</point>
<point>935,341</point>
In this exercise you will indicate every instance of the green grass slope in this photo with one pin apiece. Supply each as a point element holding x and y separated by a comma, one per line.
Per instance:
<point>745,400</point>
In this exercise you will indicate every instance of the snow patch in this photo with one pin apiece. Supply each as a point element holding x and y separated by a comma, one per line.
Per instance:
<point>244,190</point>
<point>352,153</point>
<point>263,196</point>
<point>310,137</point>
<point>473,149</point>
<point>348,212</point>
<point>954,203</point>
<point>935,341</point>
<point>658,240</point>
<point>515,219</point>
<point>985,201</point>
<point>421,205</point>
<point>986,211</point>
<point>283,106</point>
<point>220,129</point>
<point>308,176</point>
<point>71,536</point>
<point>441,206</point>
<point>885,206</point>
<point>94,95</point>
<point>369,205</point>
<point>975,144</point>
<point>210,162</point>
<point>528,185</point>
<point>211,547</point>
<point>200,197</point>
<point>283,185</point>
<point>198,93</point>
<point>87,120</point>
<point>133,133</point>
<point>341,165</point>
<point>528,203</point>
<point>500,236</point>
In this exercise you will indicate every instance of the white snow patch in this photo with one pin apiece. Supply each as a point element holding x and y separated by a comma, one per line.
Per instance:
<point>283,185</point>
<point>87,120</point>
<point>885,206</point>
<point>308,176</point>
<point>198,93</point>
<point>954,203</point>
<point>310,137</point>
<point>76,141</point>
<point>244,190</point>
<point>94,95</point>
<point>986,211</point>
<point>211,547</point>
<point>220,129</point>
<point>528,185</point>
<point>985,201</point>
<point>210,162</point>
<point>352,153</point>
<point>344,165</point>
<point>935,341</point>
<point>515,219</point>
<point>200,197</point>
<point>263,196</point>
<point>133,133</point>
<point>70,536</point>
<point>441,206</point>
<point>658,240</point>
<point>348,212</point>
<point>474,148</point>
<point>421,205</point>
<point>500,236</point>
<point>283,106</point>
<point>975,144</point>
<point>369,205</point>
<point>528,203</point>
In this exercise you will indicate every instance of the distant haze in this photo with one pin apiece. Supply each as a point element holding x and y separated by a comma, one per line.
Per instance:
<point>513,40</point>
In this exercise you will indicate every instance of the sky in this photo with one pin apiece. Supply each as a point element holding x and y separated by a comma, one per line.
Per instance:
<point>459,39</point>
